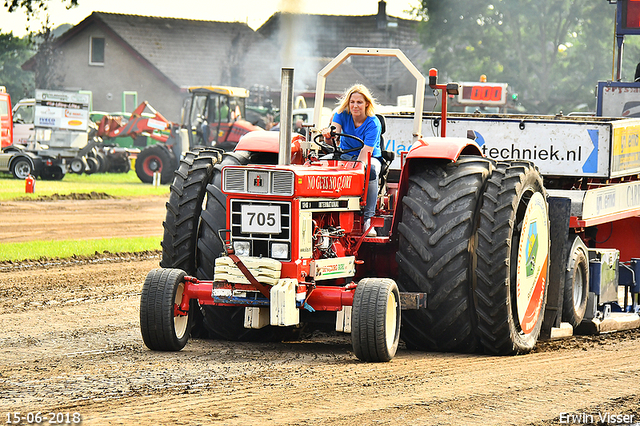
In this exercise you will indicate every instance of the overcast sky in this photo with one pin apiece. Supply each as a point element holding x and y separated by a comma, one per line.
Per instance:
<point>253,12</point>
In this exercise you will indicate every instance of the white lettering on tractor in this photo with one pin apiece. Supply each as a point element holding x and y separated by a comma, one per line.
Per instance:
<point>329,182</point>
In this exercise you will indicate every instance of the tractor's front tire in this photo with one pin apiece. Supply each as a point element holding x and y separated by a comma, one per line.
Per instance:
<point>436,252</point>
<point>512,259</point>
<point>162,328</point>
<point>375,320</point>
<point>93,166</point>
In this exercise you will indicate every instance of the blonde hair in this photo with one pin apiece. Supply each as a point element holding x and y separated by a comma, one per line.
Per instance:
<point>343,102</point>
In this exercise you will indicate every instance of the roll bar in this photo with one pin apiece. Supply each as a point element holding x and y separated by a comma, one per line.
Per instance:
<point>362,51</point>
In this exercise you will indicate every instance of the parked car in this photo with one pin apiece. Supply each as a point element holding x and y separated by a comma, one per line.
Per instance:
<point>21,163</point>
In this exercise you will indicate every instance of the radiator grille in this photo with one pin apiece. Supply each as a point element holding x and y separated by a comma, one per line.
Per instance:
<point>261,243</point>
<point>255,181</point>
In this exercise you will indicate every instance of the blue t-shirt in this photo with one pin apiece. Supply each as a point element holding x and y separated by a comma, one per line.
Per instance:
<point>369,132</point>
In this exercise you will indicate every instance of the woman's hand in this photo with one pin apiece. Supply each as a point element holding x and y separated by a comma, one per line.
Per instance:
<point>326,132</point>
<point>333,127</point>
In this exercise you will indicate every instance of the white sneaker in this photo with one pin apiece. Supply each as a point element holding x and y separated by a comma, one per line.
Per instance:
<point>371,233</point>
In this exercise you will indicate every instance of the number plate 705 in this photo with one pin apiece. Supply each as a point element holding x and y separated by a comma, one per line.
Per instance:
<point>260,219</point>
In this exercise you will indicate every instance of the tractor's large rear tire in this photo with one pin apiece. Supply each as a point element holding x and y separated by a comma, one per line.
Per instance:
<point>184,207</point>
<point>156,158</point>
<point>375,320</point>
<point>512,261</point>
<point>436,252</point>
<point>161,328</point>
<point>222,321</point>
<point>214,217</point>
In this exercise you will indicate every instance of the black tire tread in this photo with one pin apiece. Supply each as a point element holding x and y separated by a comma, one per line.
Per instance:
<point>436,250</point>
<point>496,230</point>
<point>569,312</point>
<point>156,310</point>
<point>184,207</point>
<point>368,319</point>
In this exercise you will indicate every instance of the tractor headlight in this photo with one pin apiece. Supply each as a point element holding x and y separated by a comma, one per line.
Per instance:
<point>242,248</point>
<point>280,250</point>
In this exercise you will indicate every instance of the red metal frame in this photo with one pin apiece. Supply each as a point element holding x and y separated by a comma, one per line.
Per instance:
<point>320,298</point>
<point>433,78</point>
<point>111,127</point>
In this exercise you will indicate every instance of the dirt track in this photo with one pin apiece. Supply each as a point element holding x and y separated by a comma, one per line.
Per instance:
<point>70,343</point>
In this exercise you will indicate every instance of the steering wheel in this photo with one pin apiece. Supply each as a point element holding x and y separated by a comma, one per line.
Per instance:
<point>324,147</point>
<point>334,149</point>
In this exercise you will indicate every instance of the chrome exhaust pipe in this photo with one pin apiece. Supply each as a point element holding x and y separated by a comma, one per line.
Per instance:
<point>286,109</point>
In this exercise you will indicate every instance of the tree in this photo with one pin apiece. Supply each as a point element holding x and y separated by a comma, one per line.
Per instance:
<point>14,51</point>
<point>32,6</point>
<point>46,75</point>
<point>550,52</point>
<point>46,59</point>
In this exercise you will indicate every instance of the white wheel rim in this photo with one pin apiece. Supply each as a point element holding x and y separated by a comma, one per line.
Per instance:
<point>180,322</point>
<point>533,260</point>
<point>23,169</point>
<point>391,320</point>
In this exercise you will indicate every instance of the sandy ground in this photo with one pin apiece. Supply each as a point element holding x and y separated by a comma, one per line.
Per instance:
<point>70,343</point>
<point>81,219</point>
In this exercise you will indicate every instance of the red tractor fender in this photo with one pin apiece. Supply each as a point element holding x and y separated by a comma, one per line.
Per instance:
<point>445,148</point>
<point>269,141</point>
<point>433,148</point>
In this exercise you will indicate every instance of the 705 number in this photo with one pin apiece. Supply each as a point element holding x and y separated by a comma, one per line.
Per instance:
<point>262,219</point>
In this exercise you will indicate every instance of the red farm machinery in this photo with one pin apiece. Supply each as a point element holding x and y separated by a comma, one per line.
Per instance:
<point>213,117</point>
<point>473,253</point>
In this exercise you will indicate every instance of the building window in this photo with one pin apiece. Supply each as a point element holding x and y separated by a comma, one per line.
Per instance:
<point>96,55</point>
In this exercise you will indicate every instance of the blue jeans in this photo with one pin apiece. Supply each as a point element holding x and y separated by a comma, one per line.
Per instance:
<point>372,190</point>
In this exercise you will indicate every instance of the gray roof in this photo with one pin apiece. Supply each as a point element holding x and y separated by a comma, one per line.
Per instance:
<point>188,52</point>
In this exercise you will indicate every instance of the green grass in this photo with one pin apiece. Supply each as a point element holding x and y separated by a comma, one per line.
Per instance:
<point>114,184</point>
<point>68,248</point>
<point>117,185</point>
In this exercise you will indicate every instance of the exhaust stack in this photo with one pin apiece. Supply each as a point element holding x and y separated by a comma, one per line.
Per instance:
<point>286,109</point>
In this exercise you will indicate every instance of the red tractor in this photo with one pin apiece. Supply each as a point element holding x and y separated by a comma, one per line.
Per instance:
<point>265,239</point>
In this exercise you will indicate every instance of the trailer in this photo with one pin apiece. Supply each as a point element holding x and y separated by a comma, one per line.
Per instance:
<point>590,168</point>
